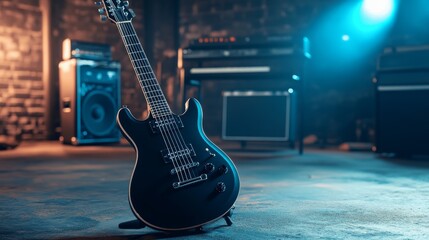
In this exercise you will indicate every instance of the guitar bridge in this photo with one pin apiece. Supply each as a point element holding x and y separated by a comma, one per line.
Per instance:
<point>200,178</point>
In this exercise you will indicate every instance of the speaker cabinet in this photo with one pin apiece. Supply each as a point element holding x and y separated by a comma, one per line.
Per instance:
<point>402,106</point>
<point>258,116</point>
<point>89,100</point>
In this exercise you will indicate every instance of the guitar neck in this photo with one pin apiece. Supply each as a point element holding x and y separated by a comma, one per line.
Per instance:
<point>146,77</point>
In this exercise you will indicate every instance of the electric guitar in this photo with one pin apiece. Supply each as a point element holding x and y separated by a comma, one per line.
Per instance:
<point>181,180</point>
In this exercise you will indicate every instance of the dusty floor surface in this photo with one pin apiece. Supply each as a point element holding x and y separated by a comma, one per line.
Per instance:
<point>51,191</point>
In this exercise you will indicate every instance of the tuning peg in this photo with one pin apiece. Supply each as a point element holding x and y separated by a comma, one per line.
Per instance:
<point>101,10</point>
<point>126,3</point>
<point>97,3</point>
<point>133,14</point>
<point>103,18</point>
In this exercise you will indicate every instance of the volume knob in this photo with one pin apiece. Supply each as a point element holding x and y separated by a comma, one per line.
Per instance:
<point>209,167</point>
<point>223,169</point>
<point>220,187</point>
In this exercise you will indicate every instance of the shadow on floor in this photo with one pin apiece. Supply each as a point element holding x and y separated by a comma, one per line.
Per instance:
<point>418,161</point>
<point>152,235</point>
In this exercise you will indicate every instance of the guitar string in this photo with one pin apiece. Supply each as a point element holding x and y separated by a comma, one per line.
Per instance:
<point>165,122</point>
<point>173,128</point>
<point>158,108</point>
<point>145,72</point>
<point>166,141</point>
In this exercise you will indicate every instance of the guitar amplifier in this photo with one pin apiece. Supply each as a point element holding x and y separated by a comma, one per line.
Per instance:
<point>86,50</point>
<point>404,57</point>
<point>259,116</point>
<point>402,103</point>
<point>247,57</point>
<point>89,99</point>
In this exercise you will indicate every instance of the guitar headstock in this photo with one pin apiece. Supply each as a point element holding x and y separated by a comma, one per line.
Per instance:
<point>115,10</point>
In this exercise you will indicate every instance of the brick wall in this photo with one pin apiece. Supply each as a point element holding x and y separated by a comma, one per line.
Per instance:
<point>22,103</point>
<point>247,17</point>
<point>21,86</point>
<point>220,18</point>
<point>174,24</point>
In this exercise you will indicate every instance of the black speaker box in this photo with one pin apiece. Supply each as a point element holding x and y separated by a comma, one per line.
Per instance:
<point>89,99</point>
<point>258,116</point>
<point>402,112</point>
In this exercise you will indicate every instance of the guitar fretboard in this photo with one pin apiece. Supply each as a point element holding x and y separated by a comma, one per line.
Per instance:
<point>148,82</point>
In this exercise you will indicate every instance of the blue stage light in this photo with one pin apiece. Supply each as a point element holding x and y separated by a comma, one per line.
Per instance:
<point>295,77</point>
<point>345,37</point>
<point>378,10</point>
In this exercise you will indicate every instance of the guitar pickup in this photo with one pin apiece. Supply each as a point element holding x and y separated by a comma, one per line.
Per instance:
<point>168,123</point>
<point>184,167</point>
<point>182,153</point>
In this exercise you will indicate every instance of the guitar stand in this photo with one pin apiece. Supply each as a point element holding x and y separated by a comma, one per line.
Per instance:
<point>137,224</point>
<point>133,224</point>
<point>228,216</point>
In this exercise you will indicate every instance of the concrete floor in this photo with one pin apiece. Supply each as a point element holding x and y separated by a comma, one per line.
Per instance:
<point>50,191</point>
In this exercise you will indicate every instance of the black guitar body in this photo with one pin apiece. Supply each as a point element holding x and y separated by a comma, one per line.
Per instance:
<point>156,196</point>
